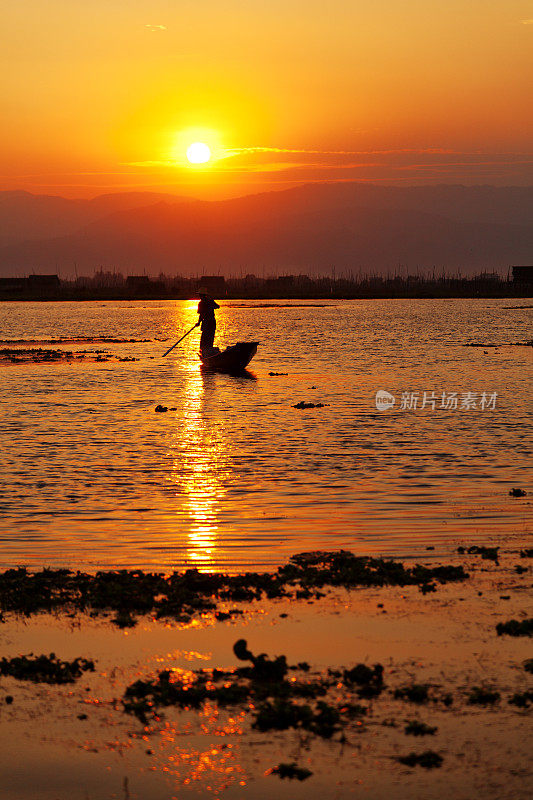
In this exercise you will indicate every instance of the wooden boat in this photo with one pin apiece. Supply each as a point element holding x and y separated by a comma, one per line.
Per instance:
<point>233,359</point>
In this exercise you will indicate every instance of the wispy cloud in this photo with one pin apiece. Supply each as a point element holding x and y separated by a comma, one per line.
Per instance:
<point>243,150</point>
<point>154,28</point>
<point>270,159</point>
<point>286,165</point>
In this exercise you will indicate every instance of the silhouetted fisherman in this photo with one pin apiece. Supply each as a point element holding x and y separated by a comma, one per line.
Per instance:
<point>207,321</point>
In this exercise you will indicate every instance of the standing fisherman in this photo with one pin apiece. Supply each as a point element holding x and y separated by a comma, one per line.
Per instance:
<point>206,313</point>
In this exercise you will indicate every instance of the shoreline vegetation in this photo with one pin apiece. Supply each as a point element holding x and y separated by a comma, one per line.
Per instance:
<point>113,286</point>
<point>182,595</point>
<point>277,716</point>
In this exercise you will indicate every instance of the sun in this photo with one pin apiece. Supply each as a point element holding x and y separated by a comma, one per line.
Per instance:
<point>198,153</point>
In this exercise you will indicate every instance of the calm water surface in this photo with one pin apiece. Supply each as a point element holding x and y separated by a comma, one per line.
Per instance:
<point>235,476</point>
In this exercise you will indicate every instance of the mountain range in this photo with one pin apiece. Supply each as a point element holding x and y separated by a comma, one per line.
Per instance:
<point>314,229</point>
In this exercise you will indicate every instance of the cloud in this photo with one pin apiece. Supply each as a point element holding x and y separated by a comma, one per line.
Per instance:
<point>154,28</point>
<point>274,159</point>
<point>273,165</point>
<point>526,21</point>
<point>245,150</point>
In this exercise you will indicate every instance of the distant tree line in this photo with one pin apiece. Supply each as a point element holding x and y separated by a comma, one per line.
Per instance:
<point>110,285</point>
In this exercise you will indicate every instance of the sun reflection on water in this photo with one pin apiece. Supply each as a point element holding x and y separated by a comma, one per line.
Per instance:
<point>213,764</point>
<point>200,468</point>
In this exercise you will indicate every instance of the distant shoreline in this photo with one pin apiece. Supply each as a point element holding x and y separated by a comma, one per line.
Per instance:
<point>114,286</point>
<point>526,294</point>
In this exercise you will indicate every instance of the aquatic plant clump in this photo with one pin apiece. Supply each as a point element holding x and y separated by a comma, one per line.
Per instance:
<point>39,355</point>
<point>427,759</point>
<point>318,705</point>
<point>487,553</point>
<point>182,595</point>
<point>522,699</point>
<point>416,693</point>
<point>144,697</point>
<point>515,627</point>
<point>304,404</point>
<point>281,713</point>
<point>481,696</point>
<point>276,701</point>
<point>369,679</point>
<point>343,568</point>
<point>263,668</point>
<point>417,728</point>
<point>45,669</point>
<point>291,771</point>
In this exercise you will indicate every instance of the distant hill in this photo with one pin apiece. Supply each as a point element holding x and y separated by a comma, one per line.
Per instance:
<point>312,228</point>
<point>26,216</point>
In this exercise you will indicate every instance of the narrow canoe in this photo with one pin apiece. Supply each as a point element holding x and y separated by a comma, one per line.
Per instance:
<point>233,359</point>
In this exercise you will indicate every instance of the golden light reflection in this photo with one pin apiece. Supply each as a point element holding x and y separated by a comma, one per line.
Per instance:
<point>214,764</point>
<point>201,469</point>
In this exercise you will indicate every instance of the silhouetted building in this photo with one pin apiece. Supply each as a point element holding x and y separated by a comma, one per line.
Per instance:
<point>34,282</point>
<point>523,274</point>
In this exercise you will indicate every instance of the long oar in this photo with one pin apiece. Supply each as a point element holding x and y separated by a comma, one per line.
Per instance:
<point>180,340</point>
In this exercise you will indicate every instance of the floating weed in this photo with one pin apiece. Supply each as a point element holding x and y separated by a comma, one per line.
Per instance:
<point>528,665</point>
<point>45,669</point>
<point>522,699</point>
<point>303,404</point>
<point>414,693</point>
<point>481,696</point>
<point>222,616</point>
<point>369,679</point>
<point>144,697</point>
<point>263,669</point>
<point>124,619</point>
<point>487,553</point>
<point>282,713</point>
<point>276,702</point>
<point>181,596</point>
<point>291,771</point>
<point>343,568</point>
<point>428,759</point>
<point>527,553</point>
<point>416,728</point>
<point>447,699</point>
<point>40,355</point>
<point>515,627</point>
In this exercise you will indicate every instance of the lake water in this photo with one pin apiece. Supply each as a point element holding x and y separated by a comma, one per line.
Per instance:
<point>236,477</point>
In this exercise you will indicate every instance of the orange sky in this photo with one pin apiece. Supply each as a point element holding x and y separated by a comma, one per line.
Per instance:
<point>105,95</point>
